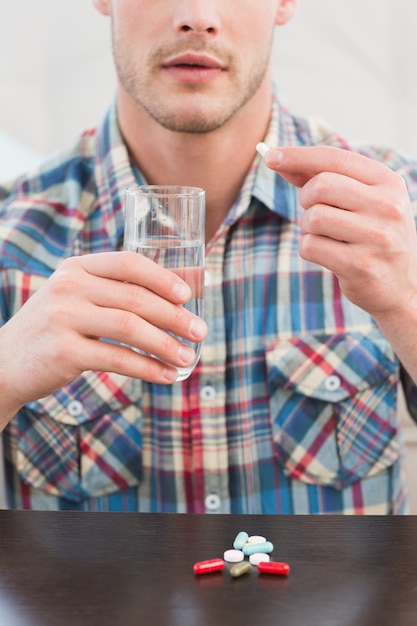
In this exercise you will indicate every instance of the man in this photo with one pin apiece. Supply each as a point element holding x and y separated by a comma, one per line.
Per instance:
<point>311,286</point>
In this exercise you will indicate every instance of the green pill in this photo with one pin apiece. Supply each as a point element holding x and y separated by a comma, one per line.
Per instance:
<point>240,540</point>
<point>238,569</point>
<point>250,548</point>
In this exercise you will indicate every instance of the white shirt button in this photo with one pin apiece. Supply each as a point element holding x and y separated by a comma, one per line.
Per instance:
<point>332,383</point>
<point>75,408</point>
<point>208,392</point>
<point>212,502</point>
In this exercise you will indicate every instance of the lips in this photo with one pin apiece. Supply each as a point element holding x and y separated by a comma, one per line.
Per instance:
<point>192,60</point>
<point>193,69</point>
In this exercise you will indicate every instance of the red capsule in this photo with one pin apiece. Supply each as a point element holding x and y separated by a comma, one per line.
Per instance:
<point>207,567</point>
<point>274,567</point>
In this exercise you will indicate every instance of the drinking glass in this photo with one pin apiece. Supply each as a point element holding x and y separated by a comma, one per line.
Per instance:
<point>166,224</point>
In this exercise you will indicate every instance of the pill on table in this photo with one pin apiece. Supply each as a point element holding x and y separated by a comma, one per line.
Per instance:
<point>207,567</point>
<point>233,556</point>
<point>240,540</point>
<point>259,557</point>
<point>251,548</point>
<point>256,539</point>
<point>274,567</point>
<point>238,569</point>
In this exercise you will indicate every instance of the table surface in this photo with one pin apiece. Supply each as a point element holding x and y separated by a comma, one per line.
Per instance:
<point>122,569</point>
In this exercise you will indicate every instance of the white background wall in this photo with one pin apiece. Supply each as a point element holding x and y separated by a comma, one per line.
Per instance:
<point>349,61</point>
<point>352,62</point>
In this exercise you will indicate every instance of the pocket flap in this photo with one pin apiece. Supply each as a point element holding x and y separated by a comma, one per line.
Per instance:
<point>83,441</point>
<point>87,397</point>
<point>333,406</point>
<point>330,367</point>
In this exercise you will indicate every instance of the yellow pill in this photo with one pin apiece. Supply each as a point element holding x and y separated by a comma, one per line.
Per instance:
<point>238,569</point>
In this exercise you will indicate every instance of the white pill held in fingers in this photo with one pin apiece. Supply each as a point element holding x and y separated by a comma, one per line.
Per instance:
<point>233,556</point>
<point>262,148</point>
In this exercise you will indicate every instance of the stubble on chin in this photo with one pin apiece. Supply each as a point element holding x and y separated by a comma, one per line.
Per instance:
<point>192,109</point>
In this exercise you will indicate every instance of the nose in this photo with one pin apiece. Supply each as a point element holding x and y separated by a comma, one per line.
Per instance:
<point>197,16</point>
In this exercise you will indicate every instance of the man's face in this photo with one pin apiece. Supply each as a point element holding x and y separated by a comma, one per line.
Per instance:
<point>192,64</point>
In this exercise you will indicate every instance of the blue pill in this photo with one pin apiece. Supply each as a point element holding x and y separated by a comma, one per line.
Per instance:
<point>251,548</point>
<point>240,540</point>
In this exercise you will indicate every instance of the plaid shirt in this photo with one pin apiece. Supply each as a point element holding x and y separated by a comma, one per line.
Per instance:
<point>293,406</point>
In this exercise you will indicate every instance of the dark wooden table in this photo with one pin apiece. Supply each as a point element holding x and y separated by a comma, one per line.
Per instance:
<point>123,569</point>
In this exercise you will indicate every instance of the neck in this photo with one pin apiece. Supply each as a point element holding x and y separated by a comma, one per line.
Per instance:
<point>217,161</point>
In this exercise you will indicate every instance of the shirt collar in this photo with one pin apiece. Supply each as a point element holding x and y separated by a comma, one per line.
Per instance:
<point>113,174</point>
<point>269,188</point>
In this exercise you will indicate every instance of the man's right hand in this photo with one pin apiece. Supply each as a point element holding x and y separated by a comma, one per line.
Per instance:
<point>120,296</point>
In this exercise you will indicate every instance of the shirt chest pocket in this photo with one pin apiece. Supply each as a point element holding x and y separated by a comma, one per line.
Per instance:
<point>333,406</point>
<point>84,440</point>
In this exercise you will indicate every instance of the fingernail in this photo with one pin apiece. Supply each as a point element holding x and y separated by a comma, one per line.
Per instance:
<point>274,157</point>
<point>170,375</point>
<point>181,291</point>
<point>186,354</point>
<point>198,328</point>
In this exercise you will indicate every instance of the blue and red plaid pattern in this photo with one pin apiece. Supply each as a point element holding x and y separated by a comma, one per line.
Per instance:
<point>293,406</point>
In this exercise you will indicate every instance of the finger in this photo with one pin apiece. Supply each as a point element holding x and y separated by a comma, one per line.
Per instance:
<point>338,224</point>
<point>133,268</point>
<point>334,255</point>
<point>337,190</point>
<point>299,164</point>
<point>126,327</point>
<point>358,271</point>
<point>107,357</point>
<point>125,299</point>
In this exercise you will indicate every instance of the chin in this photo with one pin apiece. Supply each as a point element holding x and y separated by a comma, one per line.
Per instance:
<point>192,122</point>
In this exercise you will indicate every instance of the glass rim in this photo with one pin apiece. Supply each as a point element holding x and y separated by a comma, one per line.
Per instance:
<point>160,191</point>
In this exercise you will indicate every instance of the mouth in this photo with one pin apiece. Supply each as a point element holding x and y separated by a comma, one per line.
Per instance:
<point>193,67</point>
<point>194,60</point>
